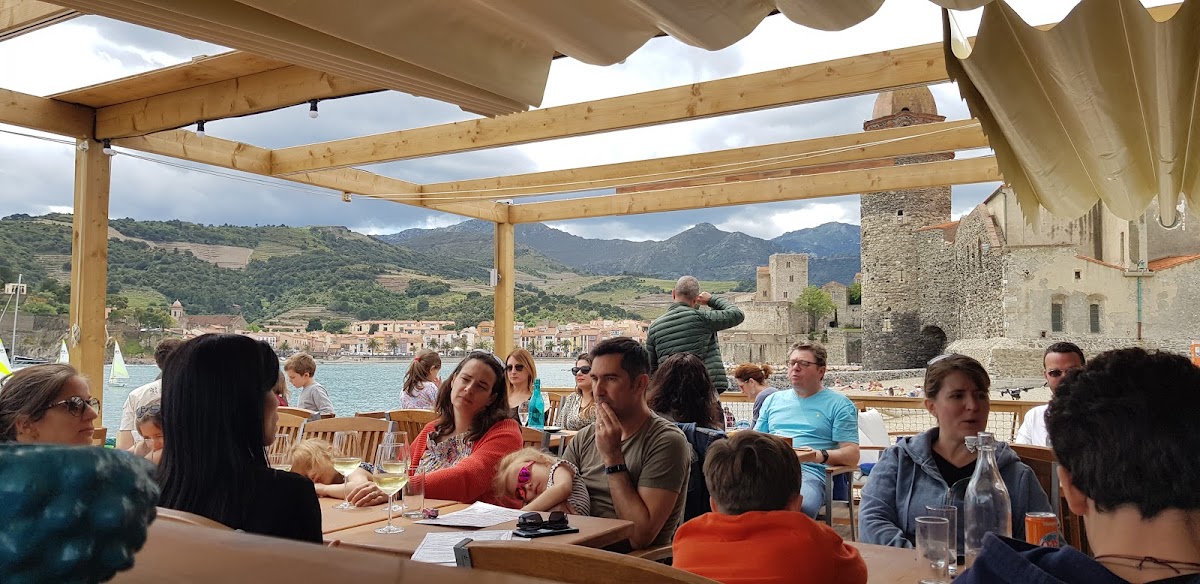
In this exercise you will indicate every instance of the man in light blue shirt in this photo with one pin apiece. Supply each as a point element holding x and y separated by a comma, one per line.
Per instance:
<point>822,423</point>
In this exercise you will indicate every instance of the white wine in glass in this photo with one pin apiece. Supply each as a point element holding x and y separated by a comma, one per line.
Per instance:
<point>347,455</point>
<point>398,438</point>
<point>390,475</point>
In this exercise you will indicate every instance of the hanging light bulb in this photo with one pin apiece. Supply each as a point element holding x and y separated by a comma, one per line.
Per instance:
<point>312,109</point>
<point>200,128</point>
<point>107,147</point>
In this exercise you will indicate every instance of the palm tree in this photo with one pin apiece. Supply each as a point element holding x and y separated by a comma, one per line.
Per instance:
<point>392,344</point>
<point>373,345</point>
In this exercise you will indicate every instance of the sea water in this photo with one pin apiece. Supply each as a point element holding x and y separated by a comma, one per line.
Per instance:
<point>353,387</point>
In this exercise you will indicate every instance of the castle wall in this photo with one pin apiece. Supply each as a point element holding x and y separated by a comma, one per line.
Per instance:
<point>789,276</point>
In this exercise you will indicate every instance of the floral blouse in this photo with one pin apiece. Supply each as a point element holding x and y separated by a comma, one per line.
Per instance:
<point>444,453</point>
<point>569,417</point>
<point>424,399</point>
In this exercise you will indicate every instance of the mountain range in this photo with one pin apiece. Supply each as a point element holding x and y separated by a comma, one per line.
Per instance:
<point>703,251</point>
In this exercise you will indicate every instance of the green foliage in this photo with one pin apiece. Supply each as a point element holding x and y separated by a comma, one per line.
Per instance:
<point>336,326</point>
<point>623,283</point>
<point>745,286</point>
<point>39,308</point>
<point>314,324</point>
<point>816,303</point>
<point>425,288</point>
<point>116,301</point>
<point>152,317</point>
<point>855,291</point>
<point>473,294</point>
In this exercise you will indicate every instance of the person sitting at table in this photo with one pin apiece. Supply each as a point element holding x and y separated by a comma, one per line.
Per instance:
<point>757,532</point>
<point>577,410</point>
<point>421,381</point>
<point>681,391</point>
<point>542,482</point>
<point>219,412</point>
<point>752,379</point>
<point>1124,431</point>
<point>47,403</point>
<point>313,458</point>
<point>634,464</point>
<point>920,470</point>
<point>519,375</point>
<point>149,427</point>
<point>461,449</point>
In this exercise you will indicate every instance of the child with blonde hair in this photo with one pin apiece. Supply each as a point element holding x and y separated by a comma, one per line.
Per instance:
<point>542,482</point>
<point>313,458</point>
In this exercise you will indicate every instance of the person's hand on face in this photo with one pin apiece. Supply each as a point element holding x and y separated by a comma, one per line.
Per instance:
<point>608,435</point>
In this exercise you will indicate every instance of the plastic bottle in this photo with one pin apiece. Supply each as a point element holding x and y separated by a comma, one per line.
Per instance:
<point>537,407</point>
<point>988,507</point>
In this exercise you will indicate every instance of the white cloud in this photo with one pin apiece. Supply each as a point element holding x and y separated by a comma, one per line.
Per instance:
<point>617,229</point>
<point>431,222</point>
<point>753,221</point>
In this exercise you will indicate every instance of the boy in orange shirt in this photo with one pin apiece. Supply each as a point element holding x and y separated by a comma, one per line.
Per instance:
<point>757,533</point>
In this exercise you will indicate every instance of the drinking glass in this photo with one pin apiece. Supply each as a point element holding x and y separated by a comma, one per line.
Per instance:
<point>347,455</point>
<point>414,493</point>
<point>390,474</point>
<point>950,512</point>
<point>933,549</point>
<point>523,412</point>
<point>400,438</point>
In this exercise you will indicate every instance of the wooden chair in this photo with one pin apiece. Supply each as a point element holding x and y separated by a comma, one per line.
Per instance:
<point>535,438</point>
<point>844,475</point>
<point>99,436</point>
<point>372,431</point>
<point>411,421</point>
<point>572,564</point>
<point>379,415</point>
<point>1045,468</point>
<point>186,518</point>
<point>553,401</point>
<point>303,413</point>
<point>290,425</point>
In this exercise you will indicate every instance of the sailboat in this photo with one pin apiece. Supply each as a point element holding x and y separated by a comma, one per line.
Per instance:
<point>119,373</point>
<point>63,356</point>
<point>5,366</point>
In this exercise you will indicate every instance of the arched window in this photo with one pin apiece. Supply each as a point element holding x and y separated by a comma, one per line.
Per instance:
<point>1058,305</point>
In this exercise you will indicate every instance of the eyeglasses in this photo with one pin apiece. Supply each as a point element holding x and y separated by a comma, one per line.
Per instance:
<point>519,367</point>
<point>584,370</point>
<point>801,363</point>
<point>75,405</point>
<point>523,477</point>
<point>1060,372</point>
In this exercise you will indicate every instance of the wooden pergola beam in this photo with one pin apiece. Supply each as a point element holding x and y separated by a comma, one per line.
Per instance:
<point>849,182</point>
<point>18,17</point>
<point>249,94</point>
<point>875,144</point>
<point>912,66</point>
<point>46,115</point>
<point>88,337</point>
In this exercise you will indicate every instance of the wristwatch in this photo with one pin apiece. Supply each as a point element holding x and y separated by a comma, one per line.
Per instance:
<point>825,455</point>
<point>616,468</point>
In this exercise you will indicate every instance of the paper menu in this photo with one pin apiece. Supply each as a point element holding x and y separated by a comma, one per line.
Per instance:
<point>438,547</point>
<point>477,515</point>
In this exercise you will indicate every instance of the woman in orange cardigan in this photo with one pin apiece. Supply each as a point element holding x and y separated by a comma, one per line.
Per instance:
<point>460,450</point>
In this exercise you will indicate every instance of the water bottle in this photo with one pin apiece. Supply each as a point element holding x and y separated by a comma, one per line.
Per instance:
<point>537,407</point>
<point>987,504</point>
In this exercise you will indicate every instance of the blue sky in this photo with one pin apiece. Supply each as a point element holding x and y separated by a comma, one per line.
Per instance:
<point>37,174</point>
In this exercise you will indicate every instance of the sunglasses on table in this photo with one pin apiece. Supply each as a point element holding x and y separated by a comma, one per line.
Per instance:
<point>584,370</point>
<point>519,367</point>
<point>75,405</point>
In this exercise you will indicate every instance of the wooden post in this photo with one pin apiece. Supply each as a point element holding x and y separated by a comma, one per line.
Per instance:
<point>87,339</point>
<point>505,288</point>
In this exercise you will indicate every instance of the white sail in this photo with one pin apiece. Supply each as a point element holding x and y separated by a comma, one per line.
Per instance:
<point>63,356</point>
<point>5,366</point>
<point>119,372</point>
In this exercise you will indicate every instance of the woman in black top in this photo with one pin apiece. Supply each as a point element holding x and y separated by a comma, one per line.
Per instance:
<point>682,391</point>
<point>219,411</point>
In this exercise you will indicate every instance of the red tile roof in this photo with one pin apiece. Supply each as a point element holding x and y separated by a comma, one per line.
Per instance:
<point>940,226</point>
<point>1096,261</point>
<point>1171,262</point>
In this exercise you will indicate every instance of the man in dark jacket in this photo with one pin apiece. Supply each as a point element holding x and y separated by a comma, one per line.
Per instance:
<point>686,328</point>
<point>1123,429</point>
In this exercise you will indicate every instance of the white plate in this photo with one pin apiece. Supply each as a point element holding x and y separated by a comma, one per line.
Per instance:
<point>552,429</point>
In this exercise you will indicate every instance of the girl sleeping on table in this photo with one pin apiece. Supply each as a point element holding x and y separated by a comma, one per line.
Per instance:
<point>542,482</point>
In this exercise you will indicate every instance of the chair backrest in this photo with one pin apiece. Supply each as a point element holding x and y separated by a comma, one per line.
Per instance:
<point>372,432</point>
<point>534,438</point>
<point>173,515</point>
<point>303,413</point>
<point>573,564</point>
<point>696,501</point>
<point>871,432</point>
<point>553,401</point>
<point>411,421</point>
<point>290,425</point>
<point>378,415</point>
<point>1045,467</point>
<point>99,436</point>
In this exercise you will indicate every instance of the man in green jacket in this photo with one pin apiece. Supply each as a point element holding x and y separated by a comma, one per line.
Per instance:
<point>686,328</point>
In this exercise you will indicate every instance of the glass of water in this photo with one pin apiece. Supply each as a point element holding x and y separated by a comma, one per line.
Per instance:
<point>950,512</point>
<point>933,549</point>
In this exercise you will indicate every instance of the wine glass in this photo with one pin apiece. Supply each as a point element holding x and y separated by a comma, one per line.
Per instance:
<point>347,455</point>
<point>398,438</point>
<point>523,412</point>
<point>390,474</point>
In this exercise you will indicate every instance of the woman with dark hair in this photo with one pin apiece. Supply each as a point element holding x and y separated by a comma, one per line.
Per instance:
<point>682,391</point>
<point>219,411</point>
<point>460,450</point>
<point>920,470</point>
<point>576,411</point>
<point>48,404</point>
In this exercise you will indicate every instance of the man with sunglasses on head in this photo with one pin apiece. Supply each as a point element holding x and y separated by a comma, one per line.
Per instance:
<point>1058,359</point>
<point>822,423</point>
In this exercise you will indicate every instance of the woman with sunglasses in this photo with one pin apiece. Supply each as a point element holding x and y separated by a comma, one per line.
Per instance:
<point>576,411</point>
<point>47,404</point>
<point>519,375</point>
<point>219,412</point>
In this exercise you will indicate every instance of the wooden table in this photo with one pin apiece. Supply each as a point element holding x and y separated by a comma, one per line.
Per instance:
<point>338,519</point>
<point>889,565</point>
<point>594,532</point>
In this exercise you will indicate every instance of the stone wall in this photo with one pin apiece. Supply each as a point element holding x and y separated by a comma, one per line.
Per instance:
<point>844,347</point>
<point>38,336</point>
<point>772,317</point>
<point>744,347</point>
<point>979,267</point>
<point>789,276</point>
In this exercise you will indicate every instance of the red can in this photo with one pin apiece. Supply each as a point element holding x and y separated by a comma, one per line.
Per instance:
<point>1041,528</point>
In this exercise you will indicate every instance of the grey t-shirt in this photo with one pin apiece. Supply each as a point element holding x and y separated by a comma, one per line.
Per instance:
<point>658,456</point>
<point>315,398</point>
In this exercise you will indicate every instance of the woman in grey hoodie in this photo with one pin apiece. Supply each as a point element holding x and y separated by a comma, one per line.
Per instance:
<point>920,470</point>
